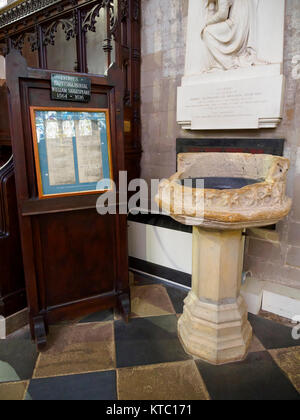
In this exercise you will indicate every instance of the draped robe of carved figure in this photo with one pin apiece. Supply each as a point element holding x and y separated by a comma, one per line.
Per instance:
<point>229,33</point>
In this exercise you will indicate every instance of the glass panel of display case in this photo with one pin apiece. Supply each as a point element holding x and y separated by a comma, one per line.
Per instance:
<point>72,150</point>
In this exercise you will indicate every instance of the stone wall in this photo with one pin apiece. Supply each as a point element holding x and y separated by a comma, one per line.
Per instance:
<point>3,3</point>
<point>2,68</point>
<point>271,256</point>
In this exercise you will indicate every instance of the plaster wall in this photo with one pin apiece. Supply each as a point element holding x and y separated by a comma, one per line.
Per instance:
<point>3,3</point>
<point>271,257</point>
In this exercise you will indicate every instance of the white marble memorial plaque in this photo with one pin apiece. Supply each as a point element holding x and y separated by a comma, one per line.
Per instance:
<point>253,104</point>
<point>233,76</point>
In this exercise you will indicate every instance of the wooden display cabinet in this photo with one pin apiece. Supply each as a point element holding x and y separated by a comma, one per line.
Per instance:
<point>75,260</point>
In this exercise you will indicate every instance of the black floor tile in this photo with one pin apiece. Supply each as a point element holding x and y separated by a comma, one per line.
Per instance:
<point>88,387</point>
<point>145,341</point>
<point>102,316</point>
<point>256,378</point>
<point>21,355</point>
<point>177,296</point>
<point>22,334</point>
<point>271,334</point>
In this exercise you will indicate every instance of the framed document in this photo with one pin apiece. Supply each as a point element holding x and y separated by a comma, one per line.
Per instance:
<point>72,150</point>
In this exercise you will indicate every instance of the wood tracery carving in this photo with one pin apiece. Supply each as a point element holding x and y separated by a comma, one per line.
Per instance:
<point>89,21</point>
<point>18,42</point>
<point>136,10</point>
<point>23,17</point>
<point>68,25</point>
<point>124,9</point>
<point>33,39</point>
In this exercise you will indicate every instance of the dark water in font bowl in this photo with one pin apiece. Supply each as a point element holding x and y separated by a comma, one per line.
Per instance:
<point>220,183</point>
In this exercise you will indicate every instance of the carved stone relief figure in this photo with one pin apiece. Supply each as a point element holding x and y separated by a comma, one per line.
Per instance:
<point>228,32</point>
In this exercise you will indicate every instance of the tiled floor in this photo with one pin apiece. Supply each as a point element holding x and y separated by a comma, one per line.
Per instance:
<point>102,358</point>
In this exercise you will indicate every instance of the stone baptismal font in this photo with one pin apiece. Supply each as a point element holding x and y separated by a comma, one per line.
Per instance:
<point>221,194</point>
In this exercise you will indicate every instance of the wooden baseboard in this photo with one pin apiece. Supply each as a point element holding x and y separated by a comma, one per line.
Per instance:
<point>175,276</point>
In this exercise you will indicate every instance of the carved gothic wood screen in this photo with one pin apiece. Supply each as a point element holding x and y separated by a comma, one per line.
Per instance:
<point>75,260</point>
<point>73,34</point>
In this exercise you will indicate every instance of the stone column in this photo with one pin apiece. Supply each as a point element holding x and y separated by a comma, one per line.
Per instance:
<point>214,325</point>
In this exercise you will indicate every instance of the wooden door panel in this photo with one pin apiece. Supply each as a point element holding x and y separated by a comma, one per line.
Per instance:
<point>12,284</point>
<point>4,121</point>
<point>78,255</point>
